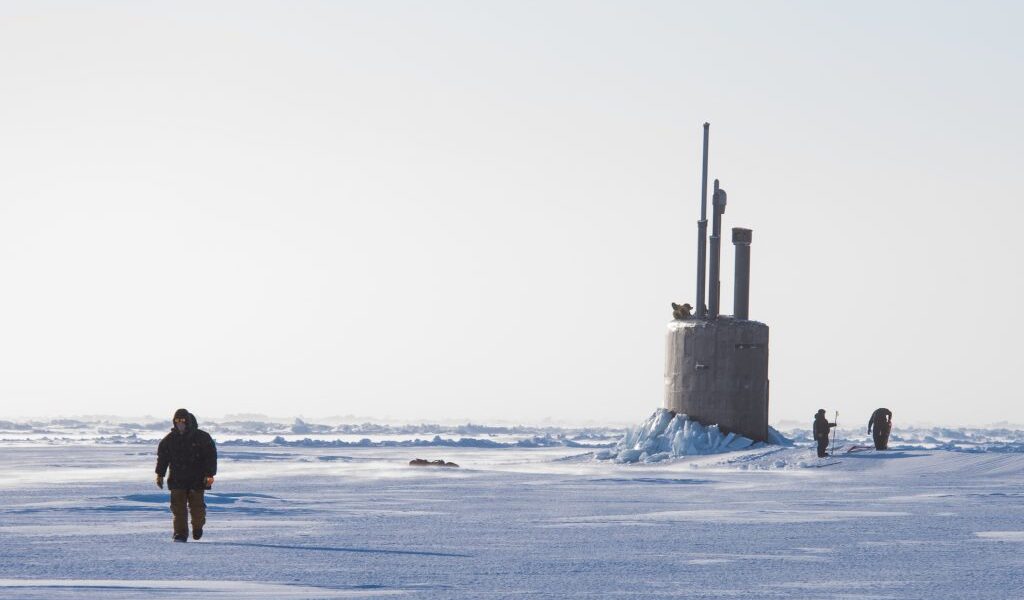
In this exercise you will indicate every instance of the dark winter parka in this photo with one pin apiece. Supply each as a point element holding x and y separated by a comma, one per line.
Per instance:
<point>821,426</point>
<point>879,419</point>
<point>192,457</point>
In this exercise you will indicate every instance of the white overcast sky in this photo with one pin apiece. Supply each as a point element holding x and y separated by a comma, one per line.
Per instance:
<point>482,210</point>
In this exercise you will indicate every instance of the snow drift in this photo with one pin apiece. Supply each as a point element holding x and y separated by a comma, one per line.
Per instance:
<point>667,435</point>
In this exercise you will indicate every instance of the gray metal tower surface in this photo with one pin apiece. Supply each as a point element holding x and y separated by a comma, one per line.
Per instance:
<point>716,372</point>
<point>716,367</point>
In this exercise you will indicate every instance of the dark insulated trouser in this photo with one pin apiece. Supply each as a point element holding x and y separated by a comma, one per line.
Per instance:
<point>881,436</point>
<point>184,502</point>
<point>822,447</point>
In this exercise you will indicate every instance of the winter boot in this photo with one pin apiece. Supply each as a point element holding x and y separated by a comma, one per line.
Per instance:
<point>197,532</point>
<point>181,538</point>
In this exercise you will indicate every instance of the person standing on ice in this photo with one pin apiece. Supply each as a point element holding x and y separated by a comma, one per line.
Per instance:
<point>192,457</point>
<point>881,422</point>
<point>821,429</point>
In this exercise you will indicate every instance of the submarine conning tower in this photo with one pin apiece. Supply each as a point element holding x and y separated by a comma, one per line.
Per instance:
<point>716,367</point>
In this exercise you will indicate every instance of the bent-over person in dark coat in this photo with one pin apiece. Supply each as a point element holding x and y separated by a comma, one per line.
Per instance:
<point>192,457</point>
<point>881,422</point>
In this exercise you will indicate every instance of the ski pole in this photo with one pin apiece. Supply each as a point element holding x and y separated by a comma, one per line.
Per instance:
<point>833,445</point>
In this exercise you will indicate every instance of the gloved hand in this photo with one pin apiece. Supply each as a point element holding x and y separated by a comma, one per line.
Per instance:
<point>160,481</point>
<point>209,482</point>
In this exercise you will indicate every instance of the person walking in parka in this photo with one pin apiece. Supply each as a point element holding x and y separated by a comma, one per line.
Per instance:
<point>881,422</point>
<point>192,457</point>
<point>821,429</point>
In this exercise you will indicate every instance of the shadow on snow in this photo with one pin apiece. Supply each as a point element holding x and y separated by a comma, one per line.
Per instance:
<point>880,454</point>
<point>336,549</point>
<point>656,480</point>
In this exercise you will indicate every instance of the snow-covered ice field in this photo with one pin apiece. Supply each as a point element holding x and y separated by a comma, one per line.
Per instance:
<point>82,518</point>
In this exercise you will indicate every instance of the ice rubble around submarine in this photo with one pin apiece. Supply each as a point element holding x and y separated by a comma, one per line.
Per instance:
<point>666,435</point>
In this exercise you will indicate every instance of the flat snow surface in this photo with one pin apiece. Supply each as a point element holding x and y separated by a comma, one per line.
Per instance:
<point>84,520</point>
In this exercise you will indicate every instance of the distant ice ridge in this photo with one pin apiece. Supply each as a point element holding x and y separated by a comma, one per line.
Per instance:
<point>667,435</point>
<point>302,433</point>
<point>545,441</point>
<point>294,432</point>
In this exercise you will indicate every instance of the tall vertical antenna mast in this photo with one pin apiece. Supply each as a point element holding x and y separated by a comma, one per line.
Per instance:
<point>702,230</point>
<point>718,207</point>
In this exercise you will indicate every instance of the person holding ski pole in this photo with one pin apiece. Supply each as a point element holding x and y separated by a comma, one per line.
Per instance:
<point>821,430</point>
